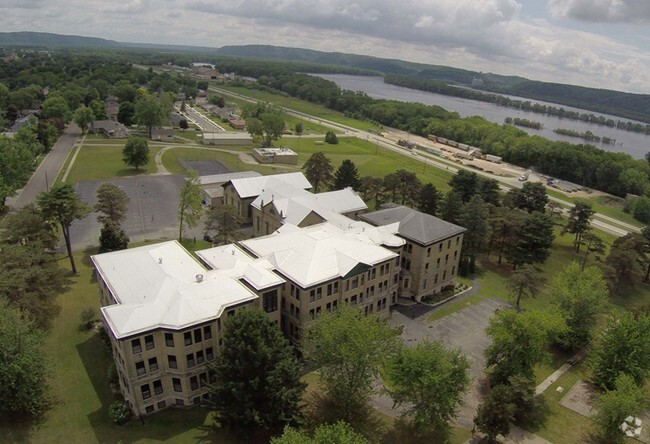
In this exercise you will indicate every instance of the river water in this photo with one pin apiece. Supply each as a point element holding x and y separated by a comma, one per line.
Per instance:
<point>634,144</point>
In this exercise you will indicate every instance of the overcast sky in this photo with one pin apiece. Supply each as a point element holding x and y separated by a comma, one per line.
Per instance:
<point>598,43</point>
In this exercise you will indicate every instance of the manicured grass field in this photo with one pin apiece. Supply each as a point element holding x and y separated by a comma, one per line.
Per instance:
<point>301,106</point>
<point>105,162</point>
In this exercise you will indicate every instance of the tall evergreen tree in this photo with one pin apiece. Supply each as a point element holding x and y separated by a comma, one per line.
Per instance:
<point>112,203</point>
<point>475,220</point>
<point>257,376</point>
<point>429,199</point>
<point>579,221</point>
<point>347,175</point>
<point>533,241</point>
<point>465,183</point>
<point>452,207</point>
<point>319,171</point>
<point>61,204</point>
<point>112,238</point>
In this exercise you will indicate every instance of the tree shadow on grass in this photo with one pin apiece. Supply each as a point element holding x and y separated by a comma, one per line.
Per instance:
<point>320,410</point>
<point>404,433</point>
<point>164,425</point>
<point>19,429</point>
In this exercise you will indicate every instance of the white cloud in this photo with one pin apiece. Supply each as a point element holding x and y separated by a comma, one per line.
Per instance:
<point>608,11</point>
<point>483,35</point>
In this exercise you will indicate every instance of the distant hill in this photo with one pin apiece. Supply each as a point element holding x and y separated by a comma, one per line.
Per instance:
<point>46,39</point>
<point>632,106</point>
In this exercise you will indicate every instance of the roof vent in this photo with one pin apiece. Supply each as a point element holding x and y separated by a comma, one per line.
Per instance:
<point>160,260</point>
<point>199,278</point>
<point>232,252</point>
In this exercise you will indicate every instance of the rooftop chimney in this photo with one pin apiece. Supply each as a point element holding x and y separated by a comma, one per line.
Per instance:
<point>199,278</point>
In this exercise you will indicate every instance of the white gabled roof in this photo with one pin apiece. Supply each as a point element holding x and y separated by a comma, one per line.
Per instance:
<point>312,255</point>
<point>157,286</point>
<point>295,204</point>
<point>254,186</point>
<point>230,258</point>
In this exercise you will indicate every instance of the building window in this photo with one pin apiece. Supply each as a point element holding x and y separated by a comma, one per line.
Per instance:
<point>336,287</point>
<point>161,404</point>
<point>355,282</point>
<point>180,402</point>
<point>230,313</point>
<point>218,325</point>
<point>453,270</point>
<point>135,345</point>
<point>429,252</point>
<point>334,305</point>
<point>373,273</point>
<point>149,409</point>
<point>448,244</point>
<point>203,379</point>
<point>157,387</point>
<point>270,301</point>
<point>424,285</point>
<point>312,295</point>
<point>197,335</point>
<point>438,263</point>
<point>353,300</point>
<point>169,339</point>
<point>199,357</point>
<point>140,369</point>
<point>319,293</point>
<point>196,400</point>
<point>311,313</point>
<point>171,359</point>
<point>328,307</point>
<point>148,341</point>
<point>426,266</point>
<point>146,393</point>
<point>329,289</point>
<point>446,259</point>
<point>444,275</point>
<point>187,336</point>
<point>457,240</point>
<point>207,332</point>
<point>190,360</point>
<point>209,354</point>
<point>435,279</point>
<point>194,383</point>
<point>153,364</point>
<point>439,247</point>
<point>177,385</point>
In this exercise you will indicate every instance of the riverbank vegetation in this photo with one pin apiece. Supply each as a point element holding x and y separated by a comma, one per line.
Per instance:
<point>524,122</point>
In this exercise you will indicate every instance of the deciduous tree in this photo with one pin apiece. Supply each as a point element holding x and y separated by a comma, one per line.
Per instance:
<point>428,380</point>
<point>519,341</point>
<point>62,205</point>
<point>579,295</point>
<point>257,376</point>
<point>23,365</point>
<point>338,433</point>
<point>625,399</point>
<point>136,152</point>
<point>83,117</point>
<point>189,206</point>
<point>623,347</point>
<point>348,348</point>
<point>496,414</point>
<point>148,113</point>
<point>225,221</point>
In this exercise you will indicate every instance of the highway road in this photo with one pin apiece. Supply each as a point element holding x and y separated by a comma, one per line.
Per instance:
<point>48,170</point>
<point>600,221</point>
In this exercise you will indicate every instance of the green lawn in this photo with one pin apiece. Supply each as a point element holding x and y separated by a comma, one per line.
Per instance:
<point>105,162</point>
<point>301,106</point>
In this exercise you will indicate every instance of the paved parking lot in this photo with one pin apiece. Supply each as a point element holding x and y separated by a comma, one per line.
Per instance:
<point>152,211</point>
<point>464,330</point>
